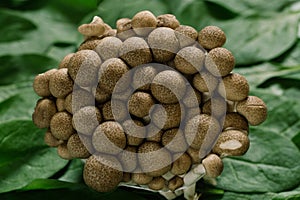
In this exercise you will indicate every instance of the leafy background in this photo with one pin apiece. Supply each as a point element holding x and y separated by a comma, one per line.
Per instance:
<point>264,36</point>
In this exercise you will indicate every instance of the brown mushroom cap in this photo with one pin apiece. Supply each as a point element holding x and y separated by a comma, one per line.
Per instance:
<point>163,43</point>
<point>174,140</point>
<point>102,173</point>
<point>128,159</point>
<point>108,48</point>
<point>182,164</point>
<point>143,22</point>
<point>175,183</point>
<point>119,108</point>
<point>61,125</point>
<point>95,28</point>
<point>235,87</point>
<point>234,120</point>
<point>124,28</point>
<point>65,61</point>
<point>253,109</point>
<point>219,61</point>
<point>111,71</point>
<point>109,137</point>
<point>167,20</point>
<point>231,143</point>
<point>154,160</point>
<point>213,165</point>
<point>43,112</point>
<point>87,119</point>
<point>189,60</point>
<point>186,35</point>
<point>60,83</point>
<point>76,147</point>
<point>78,99</point>
<point>50,140</point>
<point>157,183</point>
<point>166,85</point>
<point>83,68</point>
<point>63,152</point>
<point>41,83</point>
<point>205,82</point>
<point>134,136</point>
<point>211,37</point>
<point>140,104</point>
<point>141,178</point>
<point>135,51</point>
<point>143,77</point>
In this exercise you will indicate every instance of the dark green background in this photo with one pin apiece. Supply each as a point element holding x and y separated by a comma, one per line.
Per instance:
<point>263,36</point>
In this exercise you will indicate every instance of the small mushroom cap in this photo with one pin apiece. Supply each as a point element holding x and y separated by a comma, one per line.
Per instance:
<point>174,140</point>
<point>78,99</point>
<point>168,86</point>
<point>135,51</point>
<point>194,154</point>
<point>175,183</point>
<point>60,105</point>
<point>109,137</point>
<point>101,95</point>
<point>216,107</point>
<point>140,104</point>
<point>211,37</point>
<point>60,83</point>
<point>167,20</point>
<point>182,164</point>
<point>89,44</point>
<point>189,60</point>
<point>120,111</point>
<point>135,132</point>
<point>169,113</point>
<point>76,147</point>
<point>87,119</point>
<point>213,165</point>
<point>205,82</point>
<point>231,143</point>
<point>186,35</point>
<point>157,183</point>
<point>219,61</point>
<point>235,87</point>
<point>92,29</point>
<point>41,83</point>
<point>128,159</point>
<point>111,71</point>
<point>141,178</point>
<point>143,22</point>
<point>50,140</point>
<point>102,173</point>
<point>83,68</point>
<point>108,47</point>
<point>164,44</point>
<point>234,120</point>
<point>43,112</point>
<point>253,109</point>
<point>143,77</point>
<point>61,125</point>
<point>198,128</point>
<point>124,28</point>
<point>154,160</point>
<point>65,61</point>
<point>63,152</point>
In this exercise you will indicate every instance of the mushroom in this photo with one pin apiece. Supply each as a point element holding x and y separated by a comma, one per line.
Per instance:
<point>43,112</point>
<point>157,183</point>
<point>95,28</point>
<point>41,83</point>
<point>77,148</point>
<point>175,183</point>
<point>61,125</point>
<point>182,164</point>
<point>213,165</point>
<point>141,178</point>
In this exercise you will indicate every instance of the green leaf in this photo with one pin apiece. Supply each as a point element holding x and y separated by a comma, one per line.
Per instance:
<point>18,103</point>
<point>128,8</point>
<point>247,7</point>
<point>255,39</point>
<point>24,67</point>
<point>47,184</point>
<point>272,164</point>
<point>74,172</point>
<point>292,57</point>
<point>23,155</point>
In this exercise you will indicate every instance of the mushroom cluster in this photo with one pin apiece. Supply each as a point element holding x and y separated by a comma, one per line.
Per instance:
<point>152,104</point>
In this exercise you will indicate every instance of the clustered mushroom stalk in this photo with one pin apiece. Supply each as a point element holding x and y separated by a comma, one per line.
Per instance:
<point>184,108</point>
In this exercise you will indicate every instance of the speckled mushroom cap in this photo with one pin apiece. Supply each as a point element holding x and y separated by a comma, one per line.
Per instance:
<point>153,104</point>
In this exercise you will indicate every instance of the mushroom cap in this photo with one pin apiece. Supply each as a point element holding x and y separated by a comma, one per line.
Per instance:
<point>143,77</point>
<point>213,165</point>
<point>157,183</point>
<point>78,99</point>
<point>175,183</point>
<point>60,83</point>
<point>231,143</point>
<point>50,140</point>
<point>143,22</point>
<point>135,51</point>
<point>219,61</point>
<point>65,61</point>
<point>61,125</point>
<point>253,109</point>
<point>108,47</point>
<point>128,159</point>
<point>205,82</point>
<point>234,120</point>
<point>174,140</point>
<point>77,148</point>
<point>135,132</point>
<point>168,86</point>
<point>167,20</point>
<point>189,60</point>
<point>164,44</point>
<point>140,104</point>
<point>235,87</point>
<point>102,173</point>
<point>211,37</point>
<point>43,112</point>
<point>92,29</point>
<point>87,119</point>
<point>186,35</point>
<point>120,111</point>
<point>41,83</point>
<point>109,137</point>
<point>182,164</point>
<point>141,178</point>
<point>63,152</point>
